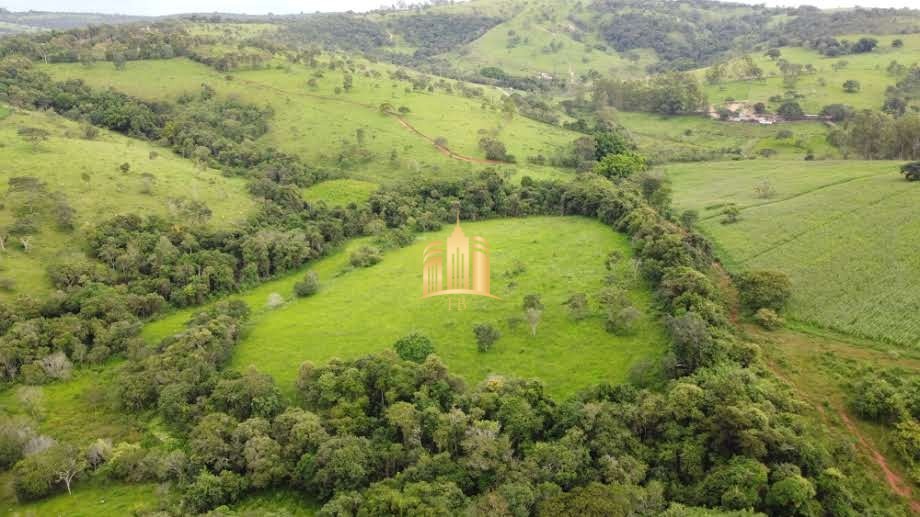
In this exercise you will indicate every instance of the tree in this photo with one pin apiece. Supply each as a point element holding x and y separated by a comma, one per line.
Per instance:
<point>773,53</point>
<point>764,289</point>
<point>790,110</point>
<point>486,336</point>
<point>731,214</point>
<point>688,218</point>
<point>619,166</point>
<point>68,465</point>
<point>365,256</point>
<point>788,496</point>
<point>851,86</point>
<point>533,316</point>
<point>865,45</point>
<point>308,286</point>
<point>414,347</point>
<point>119,60</point>
<point>578,306</point>
<point>897,43</point>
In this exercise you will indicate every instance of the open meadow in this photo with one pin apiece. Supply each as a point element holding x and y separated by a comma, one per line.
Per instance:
<point>840,229</point>
<point>362,311</point>
<point>87,173</point>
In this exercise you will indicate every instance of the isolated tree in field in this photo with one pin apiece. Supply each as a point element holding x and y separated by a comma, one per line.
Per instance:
<point>347,82</point>
<point>790,110</point>
<point>308,286</point>
<point>385,108</point>
<point>840,65</point>
<point>760,108</point>
<point>851,86</point>
<point>865,45</point>
<point>731,214</point>
<point>578,306</point>
<point>897,43</point>
<point>33,135</point>
<point>486,336</point>
<point>533,316</point>
<point>414,347</point>
<point>764,189</point>
<point>773,53</point>
<point>119,60</point>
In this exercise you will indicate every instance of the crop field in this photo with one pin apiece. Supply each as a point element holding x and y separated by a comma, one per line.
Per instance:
<point>841,230</point>
<point>365,310</point>
<point>87,173</point>
<point>826,86</point>
<point>681,137</point>
<point>316,123</point>
<point>340,192</point>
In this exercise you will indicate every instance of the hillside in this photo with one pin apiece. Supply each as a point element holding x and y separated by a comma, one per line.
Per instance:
<point>85,176</point>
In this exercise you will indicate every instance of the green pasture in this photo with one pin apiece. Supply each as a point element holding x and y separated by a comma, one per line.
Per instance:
<point>90,499</point>
<point>318,124</point>
<point>869,69</point>
<point>842,231</point>
<point>664,138</point>
<point>363,311</point>
<point>340,192</point>
<point>87,173</point>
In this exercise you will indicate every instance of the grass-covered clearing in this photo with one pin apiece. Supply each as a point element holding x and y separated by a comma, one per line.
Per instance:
<point>365,311</point>
<point>683,137</point>
<point>89,499</point>
<point>318,124</point>
<point>841,230</point>
<point>340,192</point>
<point>826,86</point>
<point>87,173</point>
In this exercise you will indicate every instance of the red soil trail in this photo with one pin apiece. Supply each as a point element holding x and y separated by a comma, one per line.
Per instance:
<point>443,149</point>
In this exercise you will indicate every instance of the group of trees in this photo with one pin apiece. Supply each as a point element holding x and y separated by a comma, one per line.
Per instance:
<point>874,135</point>
<point>669,94</point>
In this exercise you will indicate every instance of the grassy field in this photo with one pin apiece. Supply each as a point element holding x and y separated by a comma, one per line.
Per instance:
<point>340,192</point>
<point>364,311</point>
<point>318,124</point>
<point>677,138</point>
<point>825,86</point>
<point>841,230</point>
<point>531,43</point>
<point>87,173</point>
<point>89,499</point>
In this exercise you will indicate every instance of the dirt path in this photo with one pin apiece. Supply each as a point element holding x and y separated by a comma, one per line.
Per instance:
<point>443,149</point>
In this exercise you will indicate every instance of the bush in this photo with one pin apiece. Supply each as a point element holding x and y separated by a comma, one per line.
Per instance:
<point>486,336</point>
<point>414,347</point>
<point>365,256</point>
<point>768,319</point>
<point>764,289</point>
<point>308,286</point>
<point>623,321</point>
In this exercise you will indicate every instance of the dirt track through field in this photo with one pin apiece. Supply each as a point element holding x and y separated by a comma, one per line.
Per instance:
<point>443,149</point>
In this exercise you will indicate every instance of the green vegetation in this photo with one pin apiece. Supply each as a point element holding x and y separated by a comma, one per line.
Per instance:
<point>340,192</point>
<point>382,303</point>
<point>824,222</point>
<point>86,173</point>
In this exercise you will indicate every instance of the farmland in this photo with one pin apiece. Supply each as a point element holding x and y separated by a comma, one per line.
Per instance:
<point>357,313</point>
<point>87,173</point>
<point>837,228</point>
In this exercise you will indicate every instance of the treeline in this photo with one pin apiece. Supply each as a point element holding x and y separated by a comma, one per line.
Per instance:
<point>874,135</point>
<point>379,435</point>
<point>671,93</point>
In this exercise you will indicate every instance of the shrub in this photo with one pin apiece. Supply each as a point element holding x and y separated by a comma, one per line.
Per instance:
<point>768,319</point>
<point>731,214</point>
<point>486,336</point>
<point>365,256</point>
<point>623,321</point>
<point>308,286</point>
<point>764,289</point>
<point>414,347</point>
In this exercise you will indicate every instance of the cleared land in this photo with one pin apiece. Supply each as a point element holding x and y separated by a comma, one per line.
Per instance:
<point>843,231</point>
<point>321,125</point>
<point>826,85</point>
<point>87,173</point>
<point>366,310</point>
<point>340,192</point>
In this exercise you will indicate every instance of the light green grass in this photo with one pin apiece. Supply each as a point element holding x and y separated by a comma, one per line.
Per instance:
<point>63,160</point>
<point>676,138</point>
<point>314,122</point>
<point>365,311</point>
<point>90,499</point>
<point>340,192</point>
<point>286,502</point>
<point>843,231</point>
<point>868,69</point>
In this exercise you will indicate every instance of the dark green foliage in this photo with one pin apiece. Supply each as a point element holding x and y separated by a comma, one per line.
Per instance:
<point>620,166</point>
<point>494,149</point>
<point>414,347</point>
<point>365,256</point>
<point>790,110</point>
<point>911,171</point>
<point>308,286</point>
<point>439,33</point>
<point>671,93</point>
<point>764,289</point>
<point>486,336</point>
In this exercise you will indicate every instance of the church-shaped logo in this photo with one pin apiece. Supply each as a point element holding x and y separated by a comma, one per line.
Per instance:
<point>459,265</point>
